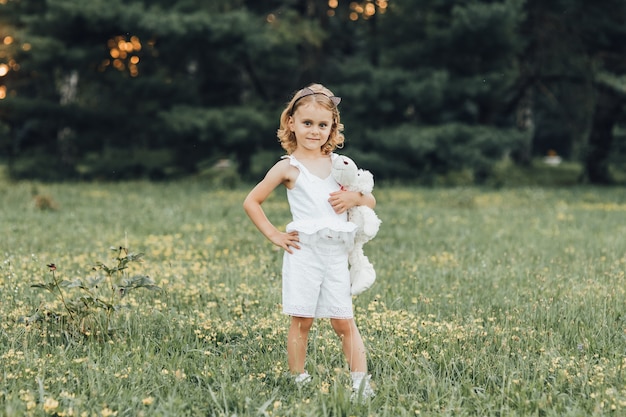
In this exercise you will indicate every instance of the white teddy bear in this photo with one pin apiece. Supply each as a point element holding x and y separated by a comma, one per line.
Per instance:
<point>346,173</point>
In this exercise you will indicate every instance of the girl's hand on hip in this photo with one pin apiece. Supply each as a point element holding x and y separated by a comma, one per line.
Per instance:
<point>285,240</point>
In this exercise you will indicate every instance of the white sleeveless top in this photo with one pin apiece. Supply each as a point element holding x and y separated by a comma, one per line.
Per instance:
<point>313,216</point>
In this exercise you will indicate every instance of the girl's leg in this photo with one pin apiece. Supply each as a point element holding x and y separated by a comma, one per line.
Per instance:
<point>354,349</point>
<point>297,340</point>
<point>352,344</point>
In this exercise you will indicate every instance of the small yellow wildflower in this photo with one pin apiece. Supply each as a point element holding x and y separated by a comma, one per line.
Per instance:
<point>107,412</point>
<point>50,405</point>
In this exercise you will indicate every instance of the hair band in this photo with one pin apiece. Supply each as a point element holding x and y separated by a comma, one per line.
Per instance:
<point>308,92</point>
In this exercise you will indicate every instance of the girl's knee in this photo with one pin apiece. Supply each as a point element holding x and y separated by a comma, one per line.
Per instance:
<point>302,323</point>
<point>342,326</point>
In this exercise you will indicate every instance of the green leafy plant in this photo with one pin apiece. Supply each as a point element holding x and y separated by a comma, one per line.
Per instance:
<point>83,300</point>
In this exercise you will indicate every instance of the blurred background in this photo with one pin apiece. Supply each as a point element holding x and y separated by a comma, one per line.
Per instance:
<point>434,92</point>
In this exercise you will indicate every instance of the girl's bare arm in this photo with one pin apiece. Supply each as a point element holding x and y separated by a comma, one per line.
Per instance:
<point>277,175</point>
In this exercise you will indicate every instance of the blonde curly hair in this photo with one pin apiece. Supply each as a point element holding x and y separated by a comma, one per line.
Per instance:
<point>314,93</point>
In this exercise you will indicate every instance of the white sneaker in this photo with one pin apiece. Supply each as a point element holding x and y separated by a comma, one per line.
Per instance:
<point>302,379</point>
<point>361,388</point>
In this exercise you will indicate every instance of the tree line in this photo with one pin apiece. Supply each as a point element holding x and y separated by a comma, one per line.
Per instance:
<point>116,89</point>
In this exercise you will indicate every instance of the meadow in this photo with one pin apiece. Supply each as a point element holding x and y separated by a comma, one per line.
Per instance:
<point>488,303</point>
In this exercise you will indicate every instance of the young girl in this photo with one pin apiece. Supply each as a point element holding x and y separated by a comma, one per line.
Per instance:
<point>316,280</point>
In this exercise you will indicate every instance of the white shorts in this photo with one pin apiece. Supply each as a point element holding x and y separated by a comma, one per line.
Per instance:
<point>316,281</point>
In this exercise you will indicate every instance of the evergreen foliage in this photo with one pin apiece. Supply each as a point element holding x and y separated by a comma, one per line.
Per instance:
<point>111,89</point>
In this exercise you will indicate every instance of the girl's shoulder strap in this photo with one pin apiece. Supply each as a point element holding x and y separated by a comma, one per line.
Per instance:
<point>295,163</point>
<point>292,161</point>
<point>333,156</point>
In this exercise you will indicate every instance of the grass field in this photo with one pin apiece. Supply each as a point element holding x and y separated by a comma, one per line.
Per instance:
<point>487,303</point>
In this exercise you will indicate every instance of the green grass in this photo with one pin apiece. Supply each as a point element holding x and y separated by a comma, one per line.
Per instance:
<point>487,303</point>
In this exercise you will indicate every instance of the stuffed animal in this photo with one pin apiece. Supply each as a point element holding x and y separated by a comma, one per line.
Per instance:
<point>346,173</point>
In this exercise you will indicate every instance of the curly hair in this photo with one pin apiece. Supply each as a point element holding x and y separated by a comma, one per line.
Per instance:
<point>315,93</point>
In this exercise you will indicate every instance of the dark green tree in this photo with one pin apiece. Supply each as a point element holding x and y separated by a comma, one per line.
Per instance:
<point>120,89</point>
<point>571,79</point>
<point>427,96</point>
<point>605,50</point>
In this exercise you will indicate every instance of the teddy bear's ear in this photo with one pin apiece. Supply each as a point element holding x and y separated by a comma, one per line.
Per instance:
<point>366,181</point>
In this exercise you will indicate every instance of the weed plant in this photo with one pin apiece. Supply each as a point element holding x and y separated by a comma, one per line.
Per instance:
<point>487,303</point>
<point>82,299</point>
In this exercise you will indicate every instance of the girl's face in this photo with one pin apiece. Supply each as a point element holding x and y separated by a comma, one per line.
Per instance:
<point>311,124</point>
